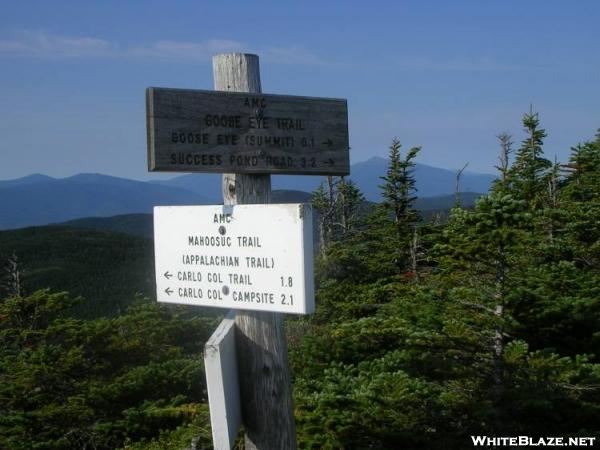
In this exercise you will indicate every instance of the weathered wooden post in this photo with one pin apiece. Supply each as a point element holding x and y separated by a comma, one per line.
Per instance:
<point>257,260</point>
<point>265,386</point>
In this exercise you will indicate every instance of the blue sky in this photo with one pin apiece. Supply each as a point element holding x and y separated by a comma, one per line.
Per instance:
<point>445,75</point>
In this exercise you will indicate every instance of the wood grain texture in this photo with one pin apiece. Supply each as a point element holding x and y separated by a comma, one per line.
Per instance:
<point>238,72</point>
<point>220,365</point>
<point>214,131</point>
<point>265,384</point>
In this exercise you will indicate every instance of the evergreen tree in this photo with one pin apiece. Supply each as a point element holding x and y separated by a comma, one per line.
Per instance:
<point>350,202</point>
<point>457,178</point>
<point>551,215</point>
<point>505,140</point>
<point>398,198</point>
<point>338,203</point>
<point>584,171</point>
<point>528,173</point>
<point>558,292</point>
<point>581,199</point>
<point>482,250</point>
<point>322,203</point>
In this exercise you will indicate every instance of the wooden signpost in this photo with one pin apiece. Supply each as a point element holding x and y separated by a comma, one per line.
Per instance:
<point>246,135</point>
<point>209,131</point>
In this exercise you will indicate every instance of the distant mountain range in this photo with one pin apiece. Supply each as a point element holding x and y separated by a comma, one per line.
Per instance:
<point>431,181</point>
<point>39,199</point>
<point>141,224</point>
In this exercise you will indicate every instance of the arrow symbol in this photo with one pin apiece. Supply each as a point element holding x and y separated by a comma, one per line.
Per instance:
<point>330,162</point>
<point>168,291</point>
<point>168,275</point>
<point>328,143</point>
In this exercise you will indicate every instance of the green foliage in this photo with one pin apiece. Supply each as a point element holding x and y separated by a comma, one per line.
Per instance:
<point>350,206</point>
<point>339,204</point>
<point>106,268</point>
<point>398,199</point>
<point>181,437</point>
<point>68,383</point>
<point>370,405</point>
<point>497,336</point>
<point>399,182</point>
<point>585,176</point>
<point>527,175</point>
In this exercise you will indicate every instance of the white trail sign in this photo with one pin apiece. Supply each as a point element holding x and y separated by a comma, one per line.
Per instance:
<point>255,257</point>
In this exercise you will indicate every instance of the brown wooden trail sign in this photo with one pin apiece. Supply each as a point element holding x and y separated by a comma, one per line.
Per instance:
<point>211,131</point>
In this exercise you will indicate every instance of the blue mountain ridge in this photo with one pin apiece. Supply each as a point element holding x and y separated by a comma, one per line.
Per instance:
<point>40,200</point>
<point>85,195</point>
<point>29,179</point>
<point>431,181</point>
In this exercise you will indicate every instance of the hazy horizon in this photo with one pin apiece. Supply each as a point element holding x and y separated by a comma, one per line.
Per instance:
<point>170,175</point>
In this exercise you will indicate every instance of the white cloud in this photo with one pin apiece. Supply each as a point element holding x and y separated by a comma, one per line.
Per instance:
<point>184,50</point>
<point>38,44</point>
